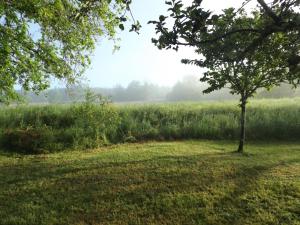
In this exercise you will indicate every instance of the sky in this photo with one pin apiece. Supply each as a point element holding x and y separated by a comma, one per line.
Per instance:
<point>138,59</point>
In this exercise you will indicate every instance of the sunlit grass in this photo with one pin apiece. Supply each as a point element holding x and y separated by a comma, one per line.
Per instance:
<point>192,182</point>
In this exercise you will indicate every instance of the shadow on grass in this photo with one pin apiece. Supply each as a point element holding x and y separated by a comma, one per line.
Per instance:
<point>218,188</point>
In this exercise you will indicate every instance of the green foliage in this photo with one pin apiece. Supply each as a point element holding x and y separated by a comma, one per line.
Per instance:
<point>239,51</point>
<point>220,40</point>
<point>45,39</point>
<point>170,183</point>
<point>267,120</point>
<point>95,121</point>
<point>198,27</point>
<point>28,141</point>
<point>91,125</point>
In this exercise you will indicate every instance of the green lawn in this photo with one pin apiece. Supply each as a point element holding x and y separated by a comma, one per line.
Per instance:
<point>154,183</point>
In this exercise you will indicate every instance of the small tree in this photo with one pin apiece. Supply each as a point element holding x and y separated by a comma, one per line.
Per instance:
<point>223,56</point>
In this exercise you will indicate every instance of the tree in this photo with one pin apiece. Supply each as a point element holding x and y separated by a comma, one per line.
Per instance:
<point>226,44</point>
<point>42,39</point>
<point>279,17</point>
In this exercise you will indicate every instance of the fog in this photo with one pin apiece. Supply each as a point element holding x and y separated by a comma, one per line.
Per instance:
<point>187,89</point>
<point>138,59</point>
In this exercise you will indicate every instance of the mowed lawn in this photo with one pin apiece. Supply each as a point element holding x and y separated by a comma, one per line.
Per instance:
<point>192,182</point>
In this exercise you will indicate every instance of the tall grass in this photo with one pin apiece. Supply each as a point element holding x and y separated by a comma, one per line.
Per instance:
<point>86,125</point>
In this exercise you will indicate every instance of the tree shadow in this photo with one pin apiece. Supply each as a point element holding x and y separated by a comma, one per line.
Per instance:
<point>107,192</point>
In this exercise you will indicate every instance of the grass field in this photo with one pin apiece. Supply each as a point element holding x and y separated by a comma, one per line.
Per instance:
<point>191,182</point>
<point>39,129</point>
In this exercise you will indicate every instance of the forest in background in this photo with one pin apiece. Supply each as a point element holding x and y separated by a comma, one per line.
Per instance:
<point>188,89</point>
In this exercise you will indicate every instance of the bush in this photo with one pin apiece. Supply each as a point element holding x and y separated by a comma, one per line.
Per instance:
<point>95,125</point>
<point>90,124</point>
<point>28,141</point>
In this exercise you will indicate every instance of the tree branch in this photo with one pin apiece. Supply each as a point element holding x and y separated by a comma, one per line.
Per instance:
<point>269,11</point>
<point>246,30</point>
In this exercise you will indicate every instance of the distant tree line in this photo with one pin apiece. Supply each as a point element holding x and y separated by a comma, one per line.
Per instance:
<point>188,89</point>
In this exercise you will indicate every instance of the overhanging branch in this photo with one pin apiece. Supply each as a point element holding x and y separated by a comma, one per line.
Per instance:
<point>269,11</point>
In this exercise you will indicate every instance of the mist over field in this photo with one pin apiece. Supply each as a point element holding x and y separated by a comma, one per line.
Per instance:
<point>188,89</point>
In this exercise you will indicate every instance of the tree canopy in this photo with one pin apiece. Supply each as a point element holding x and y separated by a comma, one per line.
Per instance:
<point>194,26</point>
<point>42,39</point>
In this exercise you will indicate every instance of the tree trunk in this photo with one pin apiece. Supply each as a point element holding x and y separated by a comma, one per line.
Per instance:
<point>242,127</point>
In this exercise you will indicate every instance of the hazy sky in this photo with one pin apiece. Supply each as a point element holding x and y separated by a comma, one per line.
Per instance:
<point>138,58</point>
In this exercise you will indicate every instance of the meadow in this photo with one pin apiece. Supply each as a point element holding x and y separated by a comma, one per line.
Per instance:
<point>50,128</point>
<point>92,164</point>
<point>175,183</point>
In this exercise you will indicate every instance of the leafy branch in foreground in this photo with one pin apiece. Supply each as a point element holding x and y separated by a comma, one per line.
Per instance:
<point>43,39</point>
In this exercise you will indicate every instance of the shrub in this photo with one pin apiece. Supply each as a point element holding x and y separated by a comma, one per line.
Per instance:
<point>96,123</point>
<point>28,141</point>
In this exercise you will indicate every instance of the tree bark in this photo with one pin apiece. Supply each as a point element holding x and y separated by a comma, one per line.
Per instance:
<point>242,127</point>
